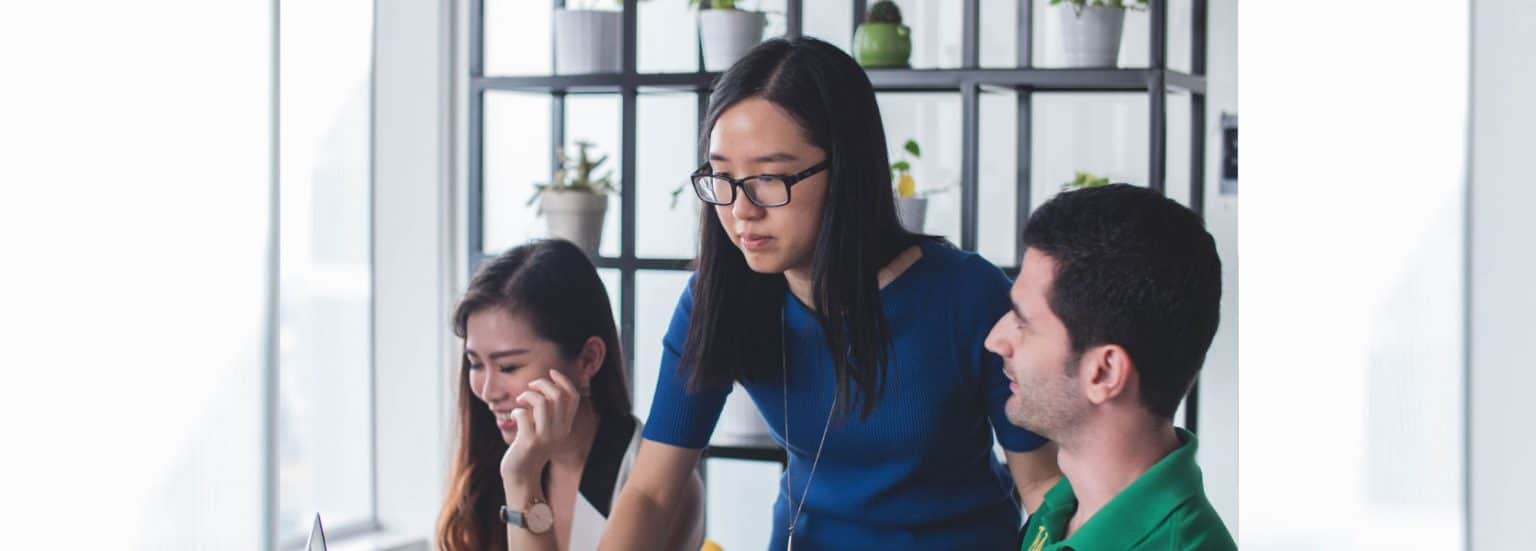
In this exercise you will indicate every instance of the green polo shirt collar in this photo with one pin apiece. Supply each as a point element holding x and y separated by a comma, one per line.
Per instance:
<point>1133,513</point>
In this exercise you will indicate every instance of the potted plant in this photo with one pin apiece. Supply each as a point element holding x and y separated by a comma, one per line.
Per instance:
<point>575,200</point>
<point>1091,30</point>
<point>587,39</point>
<point>881,40</point>
<point>911,204</point>
<point>1084,180</point>
<point>727,32</point>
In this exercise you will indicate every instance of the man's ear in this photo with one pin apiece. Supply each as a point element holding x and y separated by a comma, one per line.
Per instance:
<point>1105,372</point>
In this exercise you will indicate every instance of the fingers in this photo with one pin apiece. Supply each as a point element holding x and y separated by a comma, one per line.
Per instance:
<point>539,405</point>
<point>563,399</point>
<point>526,431</point>
<point>563,382</point>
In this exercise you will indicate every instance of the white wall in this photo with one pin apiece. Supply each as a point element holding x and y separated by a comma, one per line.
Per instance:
<point>413,263</point>
<point>1352,308</point>
<point>1503,269</point>
<point>1218,379</point>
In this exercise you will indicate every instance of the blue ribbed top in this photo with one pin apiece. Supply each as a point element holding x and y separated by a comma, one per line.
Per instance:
<point>919,472</point>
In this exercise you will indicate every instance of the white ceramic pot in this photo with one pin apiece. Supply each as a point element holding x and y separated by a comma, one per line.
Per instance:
<point>913,212</point>
<point>726,35</point>
<point>1091,38</point>
<point>588,41</point>
<point>575,216</point>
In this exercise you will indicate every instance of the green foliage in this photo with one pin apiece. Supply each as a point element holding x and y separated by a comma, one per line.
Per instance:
<point>715,4</point>
<point>911,148</point>
<point>579,174</point>
<point>1084,180</point>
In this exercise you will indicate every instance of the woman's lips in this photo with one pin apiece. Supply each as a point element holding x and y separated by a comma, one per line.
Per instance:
<point>504,420</point>
<point>753,242</point>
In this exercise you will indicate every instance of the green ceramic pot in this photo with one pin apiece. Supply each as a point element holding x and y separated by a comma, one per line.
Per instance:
<point>882,44</point>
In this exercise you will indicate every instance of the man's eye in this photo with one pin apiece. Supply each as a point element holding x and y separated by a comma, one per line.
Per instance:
<point>508,368</point>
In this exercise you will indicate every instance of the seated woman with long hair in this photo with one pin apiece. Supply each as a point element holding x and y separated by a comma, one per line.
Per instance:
<point>545,434</point>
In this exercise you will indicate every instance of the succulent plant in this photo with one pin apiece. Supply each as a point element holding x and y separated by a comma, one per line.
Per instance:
<point>715,4</point>
<point>884,11</point>
<point>1084,180</point>
<point>577,174</point>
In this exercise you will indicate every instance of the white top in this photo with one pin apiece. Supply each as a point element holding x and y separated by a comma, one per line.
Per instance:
<point>607,469</point>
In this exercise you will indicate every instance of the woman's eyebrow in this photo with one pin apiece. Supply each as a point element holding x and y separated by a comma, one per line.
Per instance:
<point>775,157</point>
<point>498,354</point>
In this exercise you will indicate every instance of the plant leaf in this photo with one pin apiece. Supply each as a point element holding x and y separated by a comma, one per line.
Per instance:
<point>675,194</point>
<point>911,147</point>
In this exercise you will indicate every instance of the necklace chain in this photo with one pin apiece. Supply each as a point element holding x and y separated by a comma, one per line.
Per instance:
<point>788,474</point>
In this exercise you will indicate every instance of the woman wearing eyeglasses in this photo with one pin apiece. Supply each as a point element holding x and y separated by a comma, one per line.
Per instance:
<point>861,344</point>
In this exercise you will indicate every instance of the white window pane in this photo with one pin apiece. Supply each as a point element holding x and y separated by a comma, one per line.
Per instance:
<point>936,28</point>
<point>324,415</point>
<point>517,37</point>
<point>933,119</point>
<point>829,20</point>
<point>999,33</point>
<point>666,149</point>
<point>739,506</point>
<point>656,294</point>
<point>1103,134</point>
<point>669,37</point>
<point>517,154</point>
<point>611,279</point>
<point>595,118</point>
<point>996,233</point>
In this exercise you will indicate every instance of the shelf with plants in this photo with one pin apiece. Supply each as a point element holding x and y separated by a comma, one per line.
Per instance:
<point>884,80</point>
<point>615,74</point>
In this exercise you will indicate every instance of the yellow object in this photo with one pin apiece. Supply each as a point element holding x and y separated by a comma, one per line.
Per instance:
<point>906,186</point>
<point>710,545</point>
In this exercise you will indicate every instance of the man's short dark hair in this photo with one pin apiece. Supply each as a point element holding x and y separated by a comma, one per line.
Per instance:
<point>1136,269</point>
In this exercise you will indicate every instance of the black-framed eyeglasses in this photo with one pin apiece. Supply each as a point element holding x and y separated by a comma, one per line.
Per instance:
<point>763,190</point>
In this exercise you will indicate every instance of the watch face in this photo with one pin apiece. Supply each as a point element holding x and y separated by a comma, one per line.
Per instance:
<point>539,518</point>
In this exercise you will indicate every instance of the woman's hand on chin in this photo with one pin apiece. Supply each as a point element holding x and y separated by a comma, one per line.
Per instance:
<point>548,409</point>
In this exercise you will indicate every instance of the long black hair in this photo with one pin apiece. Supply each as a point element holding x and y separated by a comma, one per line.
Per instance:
<point>734,332</point>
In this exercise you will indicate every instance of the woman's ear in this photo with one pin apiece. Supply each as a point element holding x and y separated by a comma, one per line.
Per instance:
<point>593,352</point>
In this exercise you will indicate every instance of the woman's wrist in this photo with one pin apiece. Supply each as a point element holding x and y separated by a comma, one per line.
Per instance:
<point>522,469</point>
<point>520,492</point>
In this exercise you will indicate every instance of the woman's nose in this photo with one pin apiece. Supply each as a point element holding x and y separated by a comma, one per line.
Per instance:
<point>745,209</point>
<point>489,389</point>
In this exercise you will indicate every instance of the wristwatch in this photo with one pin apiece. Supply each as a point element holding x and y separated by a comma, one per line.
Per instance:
<point>537,517</point>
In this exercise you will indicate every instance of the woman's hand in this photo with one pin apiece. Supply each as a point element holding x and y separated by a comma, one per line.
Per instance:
<point>543,424</point>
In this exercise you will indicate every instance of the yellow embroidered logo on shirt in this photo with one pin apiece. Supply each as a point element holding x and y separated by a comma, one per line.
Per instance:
<point>1039,542</point>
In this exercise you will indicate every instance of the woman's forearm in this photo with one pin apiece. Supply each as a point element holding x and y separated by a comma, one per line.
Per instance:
<point>638,522</point>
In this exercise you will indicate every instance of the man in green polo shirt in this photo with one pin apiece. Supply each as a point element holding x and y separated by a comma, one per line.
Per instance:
<point>1116,303</point>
